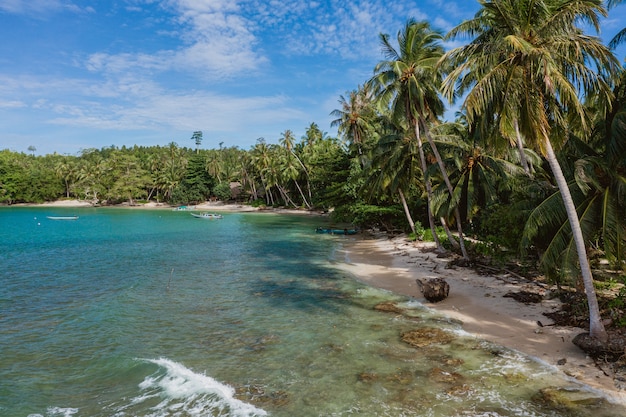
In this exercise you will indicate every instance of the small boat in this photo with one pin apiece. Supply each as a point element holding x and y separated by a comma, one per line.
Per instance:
<point>206,215</point>
<point>184,208</point>
<point>62,217</point>
<point>336,231</point>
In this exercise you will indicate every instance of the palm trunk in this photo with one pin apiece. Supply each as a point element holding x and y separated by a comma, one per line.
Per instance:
<point>451,238</point>
<point>444,173</point>
<point>520,149</point>
<point>407,213</point>
<point>302,194</point>
<point>596,327</point>
<point>429,191</point>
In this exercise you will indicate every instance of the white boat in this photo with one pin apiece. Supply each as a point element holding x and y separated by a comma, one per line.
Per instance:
<point>206,215</point>
<point>62,217</point>
<point>184,208</point>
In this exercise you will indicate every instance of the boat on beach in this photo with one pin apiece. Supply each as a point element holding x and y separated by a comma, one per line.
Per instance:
<point>62,217</point>
<point>184,208</point>
<point>210,216</point>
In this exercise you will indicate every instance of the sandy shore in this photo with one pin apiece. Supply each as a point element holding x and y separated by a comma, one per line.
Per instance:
<point>207,206</point>
<point>478,302</point>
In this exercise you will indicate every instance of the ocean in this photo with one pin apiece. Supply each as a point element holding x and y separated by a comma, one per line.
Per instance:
<point>156,313</point>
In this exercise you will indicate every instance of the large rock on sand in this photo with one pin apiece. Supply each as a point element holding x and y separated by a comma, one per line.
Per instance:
<point>611,350</point>
<point>434,289</point>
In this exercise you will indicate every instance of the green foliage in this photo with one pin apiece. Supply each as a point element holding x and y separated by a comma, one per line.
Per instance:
<point>196,186</point>
<point>441,234</point>
<point>258,203</point>
<point>501,225</point>
<point>366,216</point>
<point>222,191</point>
<point>419,232</point>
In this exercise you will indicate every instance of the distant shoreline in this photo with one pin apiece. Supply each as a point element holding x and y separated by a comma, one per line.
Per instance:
<point>206,206</point>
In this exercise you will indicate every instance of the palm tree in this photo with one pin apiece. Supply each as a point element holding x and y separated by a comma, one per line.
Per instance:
<point>291,170</point>
<point>396,164</point>
<point>598,186</point>
<point>477,176</point>
<point>352,119</point>
<point>409,82</point>
<point>529,62</point>
<point>67,170</point>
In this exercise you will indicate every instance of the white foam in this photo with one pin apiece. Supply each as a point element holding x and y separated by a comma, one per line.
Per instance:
<point>180,389</point>
<point>57,412</point>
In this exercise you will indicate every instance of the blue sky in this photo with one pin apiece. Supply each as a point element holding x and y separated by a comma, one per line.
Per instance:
<point>77,74</point>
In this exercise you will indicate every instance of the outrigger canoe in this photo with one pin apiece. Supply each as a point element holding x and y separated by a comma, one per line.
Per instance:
<point>62,217</point>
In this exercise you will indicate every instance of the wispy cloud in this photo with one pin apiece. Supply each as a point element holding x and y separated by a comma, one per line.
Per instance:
<point>38,8</point>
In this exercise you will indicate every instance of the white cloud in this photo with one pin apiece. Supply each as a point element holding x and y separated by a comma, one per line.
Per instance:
<point>215,42</point>
<point>41,7</point>
<point>12,104</point>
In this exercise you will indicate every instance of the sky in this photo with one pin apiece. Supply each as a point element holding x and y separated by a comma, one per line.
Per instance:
<point>81,74</point>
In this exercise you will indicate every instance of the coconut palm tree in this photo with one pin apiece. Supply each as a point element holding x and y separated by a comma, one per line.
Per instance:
<point>529,62</point>
<point>396,165</point>
<point>353,119</point>
<point>291,171</point>
<point>408,82</point>
<point>477,175</point>
<point>598,186</point>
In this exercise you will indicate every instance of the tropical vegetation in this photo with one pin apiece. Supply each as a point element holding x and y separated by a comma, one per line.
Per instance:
<point>531,171</point>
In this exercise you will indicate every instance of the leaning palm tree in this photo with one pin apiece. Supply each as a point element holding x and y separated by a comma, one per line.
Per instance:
<point>408,81</point>
<point>396,167</point>
<point>528,62</point>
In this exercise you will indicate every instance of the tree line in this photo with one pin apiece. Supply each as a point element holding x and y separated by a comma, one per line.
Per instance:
<point>534,163</point>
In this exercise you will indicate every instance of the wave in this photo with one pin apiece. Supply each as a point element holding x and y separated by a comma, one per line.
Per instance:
<point>175,390</point>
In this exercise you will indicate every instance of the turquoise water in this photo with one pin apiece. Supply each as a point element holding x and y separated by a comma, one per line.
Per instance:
<point>156,313</point>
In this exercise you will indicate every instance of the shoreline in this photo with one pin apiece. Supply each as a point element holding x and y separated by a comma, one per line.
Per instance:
<point>206,206</point>
<point>478,302</point>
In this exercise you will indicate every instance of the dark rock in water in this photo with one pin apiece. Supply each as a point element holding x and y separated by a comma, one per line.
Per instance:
<point>611,350</point>
<point>435,289</point>
<point>566,399</point>
<point>389,307</point>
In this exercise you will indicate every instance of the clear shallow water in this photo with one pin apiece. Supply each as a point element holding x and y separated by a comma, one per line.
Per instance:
<point>156,313</point>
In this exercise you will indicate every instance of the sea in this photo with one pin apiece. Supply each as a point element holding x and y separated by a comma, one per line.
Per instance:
<point>155,313</point>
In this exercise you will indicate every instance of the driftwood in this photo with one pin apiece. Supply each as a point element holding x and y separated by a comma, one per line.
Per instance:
<point>434,289</point>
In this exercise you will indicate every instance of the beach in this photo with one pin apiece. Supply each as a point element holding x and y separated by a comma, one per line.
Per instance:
<point>476,300</point>
<point>479,303</point>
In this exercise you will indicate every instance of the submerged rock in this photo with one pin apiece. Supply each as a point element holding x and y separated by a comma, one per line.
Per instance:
<point>426,336</point>
<point>440,375</point>
<point>564,399</point>
<point>389,307</point>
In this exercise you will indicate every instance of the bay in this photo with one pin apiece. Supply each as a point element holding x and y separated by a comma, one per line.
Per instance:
<point>128,312</point>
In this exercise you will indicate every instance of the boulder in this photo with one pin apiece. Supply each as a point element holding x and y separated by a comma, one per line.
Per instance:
<point>611,350</point>
<point>434,289</point>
